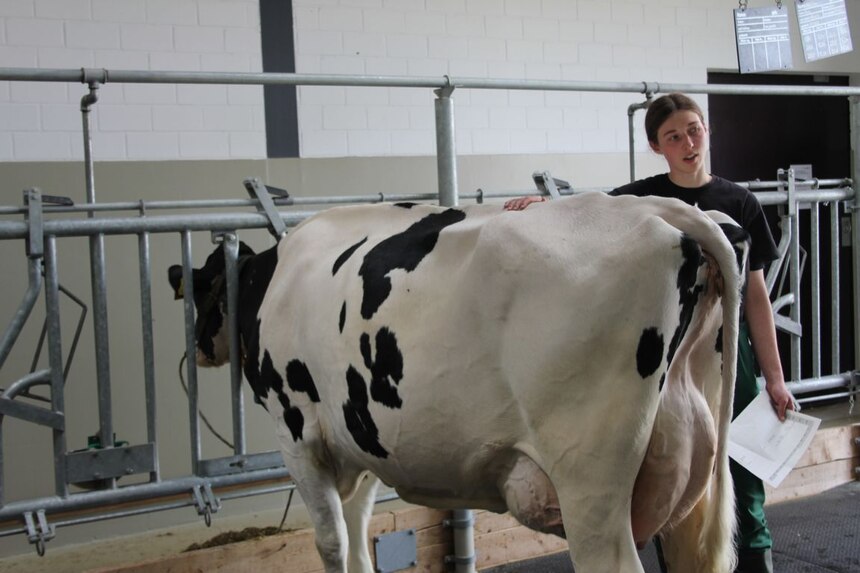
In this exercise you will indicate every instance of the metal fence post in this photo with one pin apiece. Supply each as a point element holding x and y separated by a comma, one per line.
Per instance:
<point>446,151</point>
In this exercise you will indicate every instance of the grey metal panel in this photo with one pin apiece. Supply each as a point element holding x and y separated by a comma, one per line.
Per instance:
<point>396,551</point>
<point>105,463</point>
<point>240,464</point>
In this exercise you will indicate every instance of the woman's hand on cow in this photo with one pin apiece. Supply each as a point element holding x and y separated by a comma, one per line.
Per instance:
<point>521,203</point>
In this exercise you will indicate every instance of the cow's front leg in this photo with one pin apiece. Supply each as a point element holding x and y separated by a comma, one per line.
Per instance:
<point>321,498</point>
<point>357,511</point>
<point>317,484</point>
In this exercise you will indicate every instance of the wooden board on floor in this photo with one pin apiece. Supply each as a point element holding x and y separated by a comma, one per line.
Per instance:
<point>829,462</point>
<point>295,552</point>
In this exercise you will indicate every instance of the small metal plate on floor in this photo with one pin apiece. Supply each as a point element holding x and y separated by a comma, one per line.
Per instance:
<point>396,551</point>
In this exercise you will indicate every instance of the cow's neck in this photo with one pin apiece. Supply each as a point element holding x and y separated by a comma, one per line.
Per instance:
<point>254,279</point>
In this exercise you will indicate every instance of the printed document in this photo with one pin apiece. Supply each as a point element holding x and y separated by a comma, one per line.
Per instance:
<point>765,446</point>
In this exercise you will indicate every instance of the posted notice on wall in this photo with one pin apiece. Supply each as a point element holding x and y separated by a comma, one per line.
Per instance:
<point>768,448</point>
<point>824,30</point>
<point>763,39</point>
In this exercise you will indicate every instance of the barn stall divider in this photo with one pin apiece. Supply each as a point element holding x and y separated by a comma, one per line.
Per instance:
<point>44,219</point>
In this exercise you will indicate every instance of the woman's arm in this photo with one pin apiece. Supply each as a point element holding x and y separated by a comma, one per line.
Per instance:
<point>759,315</point>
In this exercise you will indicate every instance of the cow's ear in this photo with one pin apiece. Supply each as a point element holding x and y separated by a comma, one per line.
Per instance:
<point>174,275</point>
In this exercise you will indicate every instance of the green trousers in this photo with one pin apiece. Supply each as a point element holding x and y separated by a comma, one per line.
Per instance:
<point>753,532</point>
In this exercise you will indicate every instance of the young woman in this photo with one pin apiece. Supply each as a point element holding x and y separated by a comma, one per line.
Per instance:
<point>676,130</point>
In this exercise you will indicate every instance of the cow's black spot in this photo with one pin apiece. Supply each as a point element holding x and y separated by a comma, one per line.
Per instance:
<point>388,364</point>
<point>251,363</point>
<point>292,416</point>
<point>719,346</point>
<point>401,251</point>
<point>692,254</point>
<point>345,255</point>
<point>357,416</point>
<point>688,291</point>
<point>364,347</point>
<point>300,380</point>
<point>405,204</point>
<point>649,354</point>
<point>662,381</point>
<point>342,320</point>
<point>739,238</point>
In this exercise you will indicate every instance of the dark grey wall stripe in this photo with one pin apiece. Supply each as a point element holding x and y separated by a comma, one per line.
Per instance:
<point>276,31</point>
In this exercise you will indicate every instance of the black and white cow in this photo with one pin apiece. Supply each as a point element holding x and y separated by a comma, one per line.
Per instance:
<point>563,363</point>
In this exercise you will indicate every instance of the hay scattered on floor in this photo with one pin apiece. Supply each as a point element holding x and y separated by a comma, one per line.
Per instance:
<point>236,536</point>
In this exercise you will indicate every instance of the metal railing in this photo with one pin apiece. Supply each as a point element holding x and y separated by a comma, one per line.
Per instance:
<point>42,225</point>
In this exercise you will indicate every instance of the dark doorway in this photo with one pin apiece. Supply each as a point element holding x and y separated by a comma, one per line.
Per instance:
<point>754,136</point>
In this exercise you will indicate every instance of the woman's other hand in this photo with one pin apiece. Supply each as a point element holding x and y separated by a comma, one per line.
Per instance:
<point>521,203</point>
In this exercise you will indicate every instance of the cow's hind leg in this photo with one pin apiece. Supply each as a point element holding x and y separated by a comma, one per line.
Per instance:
<point>357,511</point>
<point>596,516</point>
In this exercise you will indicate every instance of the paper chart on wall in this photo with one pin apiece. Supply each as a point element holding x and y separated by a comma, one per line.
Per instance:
<point>765,446</point>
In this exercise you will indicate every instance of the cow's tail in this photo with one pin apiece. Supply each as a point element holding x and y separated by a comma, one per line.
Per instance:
<point>715,512</point>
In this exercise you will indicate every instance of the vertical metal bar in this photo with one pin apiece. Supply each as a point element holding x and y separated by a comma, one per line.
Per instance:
<point>835,290</point>
<point>794,272</point>
<point>190,351</point>
<point>98,276</point>
<point>231,256</point>
<point>55,356</point>
<point>854,110</point>
<point>855,250</point>
<point>631,140</point>
<point>86,101</point>
<point>99,285</point>
<point>145,273</point>
<point>815,300</point>
<point>446,152</point>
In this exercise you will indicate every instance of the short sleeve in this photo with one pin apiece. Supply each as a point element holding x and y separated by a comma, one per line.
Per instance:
<point>763,249</point>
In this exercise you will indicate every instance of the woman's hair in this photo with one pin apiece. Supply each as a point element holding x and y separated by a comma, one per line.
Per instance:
<point>661,108</point>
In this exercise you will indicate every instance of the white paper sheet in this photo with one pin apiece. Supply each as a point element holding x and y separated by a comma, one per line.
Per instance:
<point>765,446</point>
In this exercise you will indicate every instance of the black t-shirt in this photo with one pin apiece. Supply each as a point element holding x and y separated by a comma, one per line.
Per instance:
<point>718,195</point>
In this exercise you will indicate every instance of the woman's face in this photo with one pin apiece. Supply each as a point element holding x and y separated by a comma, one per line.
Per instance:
<point>683,140</point>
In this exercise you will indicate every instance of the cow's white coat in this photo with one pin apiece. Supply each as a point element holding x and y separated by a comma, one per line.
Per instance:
<point>520,389</point>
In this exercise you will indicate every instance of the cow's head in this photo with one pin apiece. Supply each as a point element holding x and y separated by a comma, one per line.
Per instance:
<point>211,333</point>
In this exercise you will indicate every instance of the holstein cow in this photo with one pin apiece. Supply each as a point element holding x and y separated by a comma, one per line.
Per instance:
<point>476,358</point>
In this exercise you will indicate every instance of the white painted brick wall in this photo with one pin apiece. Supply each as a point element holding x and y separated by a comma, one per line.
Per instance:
<point>584,40</point>
<point>673,41</point>
<point>41,121</point>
